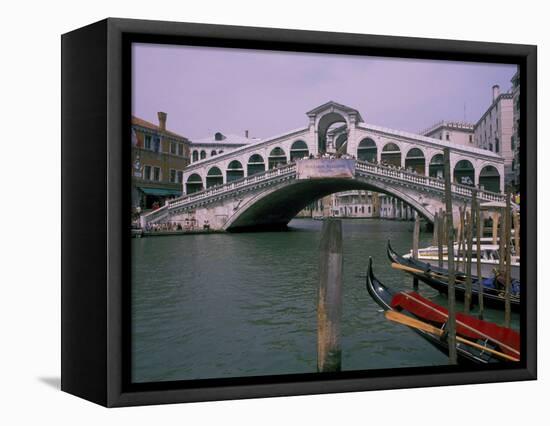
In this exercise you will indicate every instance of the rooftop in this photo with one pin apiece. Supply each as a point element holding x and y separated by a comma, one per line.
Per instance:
<point>136,121</point>
<point>219,138</point>
<point>454,125</point>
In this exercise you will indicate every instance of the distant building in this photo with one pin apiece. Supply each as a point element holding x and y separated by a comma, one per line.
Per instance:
<point>494,130</point>
<point>359,204</point>
<point>515,181</point>
<point>218,143</point>
<point>159,157</point>
<point>356,204</point>
<point>452,131</point>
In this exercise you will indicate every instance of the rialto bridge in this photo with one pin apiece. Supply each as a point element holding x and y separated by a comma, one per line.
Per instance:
<point>266,183</point>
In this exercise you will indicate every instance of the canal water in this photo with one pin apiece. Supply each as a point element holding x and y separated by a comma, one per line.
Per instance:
<point>233,305</point>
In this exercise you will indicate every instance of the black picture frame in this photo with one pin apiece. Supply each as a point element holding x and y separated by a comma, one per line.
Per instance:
<point>95,199</point>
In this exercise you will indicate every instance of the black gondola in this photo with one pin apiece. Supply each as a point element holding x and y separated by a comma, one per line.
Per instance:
<point>465,354</point>
<point>437,278</point>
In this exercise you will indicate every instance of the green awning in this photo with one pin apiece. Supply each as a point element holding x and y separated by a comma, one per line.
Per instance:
<point>161,192</point>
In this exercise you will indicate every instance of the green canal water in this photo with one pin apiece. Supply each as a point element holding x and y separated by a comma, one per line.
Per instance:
<point>233,305</point>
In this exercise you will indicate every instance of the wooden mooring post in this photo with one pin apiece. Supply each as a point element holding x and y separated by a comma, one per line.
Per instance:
<point>451,321</point>
<point>468,270</point>
<point>479,226</point>
<point>517,245</point>
<point>460,238</point>
<point>435,234</point>
<point>502,243</point>
<point>440,238</point>
<point>495,217</point>
<point>508,258</point>
<point>416,236</point>
<point>329,304</point>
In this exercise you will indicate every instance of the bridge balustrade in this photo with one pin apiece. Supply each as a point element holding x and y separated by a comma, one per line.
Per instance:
<point>289,169</point>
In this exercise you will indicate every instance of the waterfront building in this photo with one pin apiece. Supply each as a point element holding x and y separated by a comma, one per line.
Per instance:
<point>455,132</point>
<point>516,132</point>
<point>356,204</point>
<point>159,157</point>
<point>494,130</point>
<point>216,144</point>
<point>359,204</point>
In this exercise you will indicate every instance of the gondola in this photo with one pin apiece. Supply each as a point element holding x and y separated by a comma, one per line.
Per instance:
<point>437,278</point>
<point>413,305</point>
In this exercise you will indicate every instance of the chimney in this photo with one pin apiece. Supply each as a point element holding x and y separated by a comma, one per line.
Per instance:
<point>246,134</point>
<point>162,120</point>
<point>496,92</point>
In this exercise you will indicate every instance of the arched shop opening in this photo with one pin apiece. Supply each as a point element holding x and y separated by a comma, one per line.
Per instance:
<point>193,184</point>
<point>416,161</point>
<point>235,171</point>
<point>464,173</point>
<point>255,165</point>
<point>391,154</point>
<point>277,157</point>
<point>214,177</point>
<point>367,150</point>
<point>195,156</point>
<point>489,179</point>
<point>203,155</point>
<point>298,150</point>
<point>436,166</point>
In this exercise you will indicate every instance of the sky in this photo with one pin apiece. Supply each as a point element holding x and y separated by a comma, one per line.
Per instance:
<point>205,90</point>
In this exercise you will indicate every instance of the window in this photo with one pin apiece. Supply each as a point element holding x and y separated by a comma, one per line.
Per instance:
<point>447,136</point>
<point>173,148</point>
<point>147,172</point>
<point>147,142</point>
<point>497,145</point>
<point>172,176</point>
<point>180,176</point>
<point>156,144</point>
<point>470,138</point>
<point>156,174</point>
<point>180,149</point>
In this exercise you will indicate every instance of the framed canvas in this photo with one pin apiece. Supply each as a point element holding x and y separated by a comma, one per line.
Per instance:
<point>231,196</point>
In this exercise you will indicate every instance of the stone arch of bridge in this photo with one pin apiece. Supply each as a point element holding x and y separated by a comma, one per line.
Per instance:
<point>274,208</point>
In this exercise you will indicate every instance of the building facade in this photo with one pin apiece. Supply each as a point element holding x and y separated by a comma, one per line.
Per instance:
<point>159,158</point>
<point>359,204</point>
<point>452,131</point>
<point>516,132</point>
<point>205,148</point>
<point>495,128</point>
